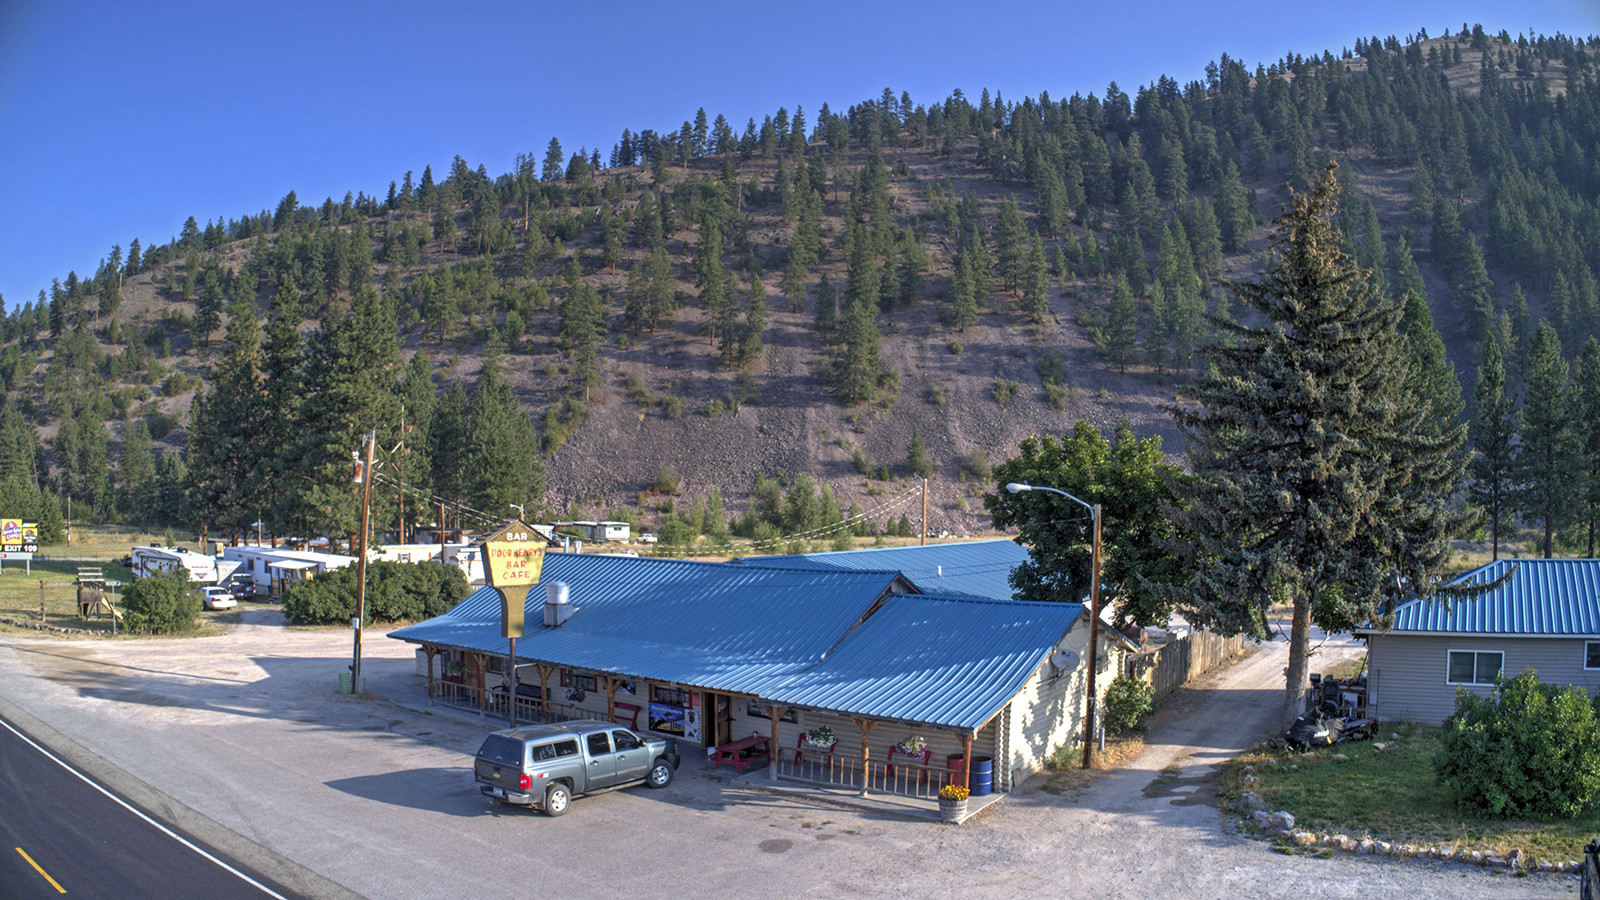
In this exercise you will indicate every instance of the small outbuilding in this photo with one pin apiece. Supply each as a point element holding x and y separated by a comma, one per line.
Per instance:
<point>1545,616</point>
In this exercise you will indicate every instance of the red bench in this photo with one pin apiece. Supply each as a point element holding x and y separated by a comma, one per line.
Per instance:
<point>743,752</point>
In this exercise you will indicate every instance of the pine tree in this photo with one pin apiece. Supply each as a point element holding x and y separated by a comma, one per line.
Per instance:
<point>755,323</point>
<point>1545,457</point>
<point>916,457</point>
<point>224,452</point>
<point>1315,482</point>
<point>502,449</point>
<point>136,469</point>
<point>1035,284</point>
<point>1121,334</point>
<point>858,369</point>
<point>353,361</point>
<point>447,443</point>
<point>411,460</point>
<point>1586,424</point>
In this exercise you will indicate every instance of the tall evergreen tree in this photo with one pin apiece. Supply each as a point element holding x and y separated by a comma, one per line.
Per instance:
<point>1545,456</point>
<point>1586,425</point>
<point>224,448</point>
<point>1494,437</point>
<point>502,451</point>
<point>447,443</point>
<point>353,364</point>
<point>1121,334</point>
<point>1316,482</point>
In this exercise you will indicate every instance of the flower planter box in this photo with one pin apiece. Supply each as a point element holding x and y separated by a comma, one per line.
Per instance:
<point>952,810</point>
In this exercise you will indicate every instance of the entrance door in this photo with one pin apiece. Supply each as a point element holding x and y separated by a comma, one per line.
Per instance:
<point>720,707</point>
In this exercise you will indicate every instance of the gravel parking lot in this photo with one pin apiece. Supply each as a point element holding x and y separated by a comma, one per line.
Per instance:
<point>373,795</point>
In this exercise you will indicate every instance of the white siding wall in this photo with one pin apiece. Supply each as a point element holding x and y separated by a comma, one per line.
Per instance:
<point>1047,713</point>
<point>1407,672</point>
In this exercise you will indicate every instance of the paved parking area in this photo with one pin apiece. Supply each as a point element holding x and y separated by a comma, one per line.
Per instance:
<point>373,795</point>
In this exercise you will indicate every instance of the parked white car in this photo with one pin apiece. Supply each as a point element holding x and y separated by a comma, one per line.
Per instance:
<point>216,597</point>
<point>647,538</point>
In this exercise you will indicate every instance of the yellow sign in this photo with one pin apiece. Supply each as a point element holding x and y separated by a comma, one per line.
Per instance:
<point>513,564</point>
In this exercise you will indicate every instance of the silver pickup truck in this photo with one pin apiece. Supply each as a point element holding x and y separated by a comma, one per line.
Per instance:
<point>545,766</point>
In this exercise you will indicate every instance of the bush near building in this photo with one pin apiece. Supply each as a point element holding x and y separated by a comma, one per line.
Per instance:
<point>1528,749</point>
<point>396,592</point>
<point>161,604</point>
<point>1128,701</point>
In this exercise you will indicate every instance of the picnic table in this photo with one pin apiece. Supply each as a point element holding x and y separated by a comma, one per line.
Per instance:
<point>743,752</point>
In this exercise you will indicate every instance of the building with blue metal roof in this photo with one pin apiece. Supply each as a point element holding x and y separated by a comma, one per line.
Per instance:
<point>969,568</point>
<point>1545,616</point>
<point>709,651</point>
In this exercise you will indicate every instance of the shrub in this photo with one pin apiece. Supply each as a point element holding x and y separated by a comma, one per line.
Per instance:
<point>1004,390</point>
<point>712,409</point>
<point>395,592</point>
<point>666,481</point>
<point>1528,749</point>
<point>1128,701</point>
<point>671,407</point>
<point>161,604</point>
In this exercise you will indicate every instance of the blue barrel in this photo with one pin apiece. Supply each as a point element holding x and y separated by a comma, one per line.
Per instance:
<point>981,781</point>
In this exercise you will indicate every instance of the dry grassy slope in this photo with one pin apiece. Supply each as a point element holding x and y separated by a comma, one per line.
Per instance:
<point>796,428</point>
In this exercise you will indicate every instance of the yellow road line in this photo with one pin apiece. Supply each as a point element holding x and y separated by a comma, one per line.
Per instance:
<point>59,888</point>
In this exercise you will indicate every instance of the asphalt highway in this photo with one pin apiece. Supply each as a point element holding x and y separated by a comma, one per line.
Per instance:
<point>63,835</point>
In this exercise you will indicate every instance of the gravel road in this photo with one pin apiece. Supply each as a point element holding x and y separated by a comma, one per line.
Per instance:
<point>244,736</point>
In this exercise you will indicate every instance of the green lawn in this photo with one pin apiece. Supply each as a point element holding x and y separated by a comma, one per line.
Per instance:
<point>1390,794</point>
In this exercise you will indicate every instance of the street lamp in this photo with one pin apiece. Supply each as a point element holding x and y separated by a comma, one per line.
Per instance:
<point>1094,605</point>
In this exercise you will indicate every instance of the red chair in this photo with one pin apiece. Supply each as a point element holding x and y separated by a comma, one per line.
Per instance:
<point>800,745</point>
<point>921,758</point>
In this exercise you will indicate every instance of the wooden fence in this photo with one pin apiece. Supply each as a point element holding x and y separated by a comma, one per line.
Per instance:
<point>1172,665</point>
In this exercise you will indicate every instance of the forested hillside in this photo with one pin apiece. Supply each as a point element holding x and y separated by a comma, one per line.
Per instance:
<point>772,328</point>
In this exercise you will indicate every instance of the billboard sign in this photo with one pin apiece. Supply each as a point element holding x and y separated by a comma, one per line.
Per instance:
<point>17,536</point>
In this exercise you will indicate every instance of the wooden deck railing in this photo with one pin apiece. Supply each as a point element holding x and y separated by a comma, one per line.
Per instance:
<point>841,770</point>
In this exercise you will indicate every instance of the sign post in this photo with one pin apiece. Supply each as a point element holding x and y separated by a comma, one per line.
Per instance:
<point>513,558</point>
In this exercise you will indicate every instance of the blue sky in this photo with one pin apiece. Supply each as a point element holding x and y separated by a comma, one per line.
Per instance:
<point>122,120</point>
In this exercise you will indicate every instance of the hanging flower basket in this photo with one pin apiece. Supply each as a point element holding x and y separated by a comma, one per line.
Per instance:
<point>821,736</point>
<point>911,746</point>
<point>575,695</point>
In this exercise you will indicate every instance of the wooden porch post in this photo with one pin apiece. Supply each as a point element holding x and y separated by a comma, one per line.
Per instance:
<point>966,760</point>
<point>431,651</point>
<point>481,663</point>
<point>865,726</point>
<point>545,671</point>
<point>611,696</point>
<point>777,712</point>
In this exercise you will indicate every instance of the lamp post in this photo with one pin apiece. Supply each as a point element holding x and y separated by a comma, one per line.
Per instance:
<point>363,475</point>
<point>1094,606</point>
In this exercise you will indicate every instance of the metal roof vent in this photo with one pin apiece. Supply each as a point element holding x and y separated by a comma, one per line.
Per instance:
<point>557,608</point>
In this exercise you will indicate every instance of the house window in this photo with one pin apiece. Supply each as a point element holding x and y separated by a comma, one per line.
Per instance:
<point>1591,655</point>
<point>1474,667</point>
<point>581,682</point>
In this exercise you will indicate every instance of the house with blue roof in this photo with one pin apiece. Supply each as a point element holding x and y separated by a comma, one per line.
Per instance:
<point>1545,616</point>
<point>709,653</point>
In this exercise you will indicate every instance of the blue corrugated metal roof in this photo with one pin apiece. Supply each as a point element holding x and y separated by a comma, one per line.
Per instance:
<point>961,568</point>
<point>1543,597</point>
<point>951,662</point>
<point>711,625</point>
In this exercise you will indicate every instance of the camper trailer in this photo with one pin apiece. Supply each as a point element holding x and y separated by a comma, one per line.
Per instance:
<point>147,561</point>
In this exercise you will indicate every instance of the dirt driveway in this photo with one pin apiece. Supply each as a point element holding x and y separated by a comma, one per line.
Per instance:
<point>374,796</point>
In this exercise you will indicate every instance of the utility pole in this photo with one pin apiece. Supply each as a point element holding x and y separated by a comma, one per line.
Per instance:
<point>924,511</point>
<point>363,475</point>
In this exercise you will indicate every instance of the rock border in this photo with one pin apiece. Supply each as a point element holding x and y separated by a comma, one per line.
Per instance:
<point>1280,825</point>
<point>39,626</point>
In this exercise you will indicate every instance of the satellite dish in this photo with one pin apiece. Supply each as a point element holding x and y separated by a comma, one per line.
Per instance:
<point>1065,660</point>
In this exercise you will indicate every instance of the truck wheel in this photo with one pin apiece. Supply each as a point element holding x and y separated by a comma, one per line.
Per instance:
<point>556,800</point>
<point>660,774</point>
